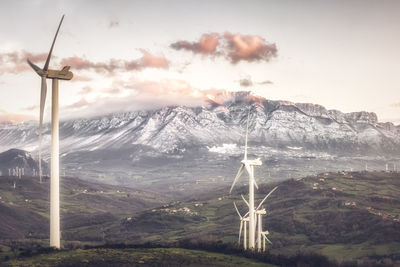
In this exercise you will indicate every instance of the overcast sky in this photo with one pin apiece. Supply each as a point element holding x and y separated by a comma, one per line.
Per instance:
<point>128,55</point>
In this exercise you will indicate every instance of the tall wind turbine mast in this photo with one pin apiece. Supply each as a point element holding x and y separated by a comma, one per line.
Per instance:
<point>249,166</point>
<point>54,75</point>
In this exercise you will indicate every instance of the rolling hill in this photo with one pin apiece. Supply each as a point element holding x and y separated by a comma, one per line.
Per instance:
<point>24,210</point>
<point>345,215</point>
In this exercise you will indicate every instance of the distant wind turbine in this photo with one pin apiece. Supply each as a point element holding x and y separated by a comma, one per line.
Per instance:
<point>54,75</point>
<point>243,224</point>
<point>249,166</point>
<point>259,212</point>
<point>265,238</point>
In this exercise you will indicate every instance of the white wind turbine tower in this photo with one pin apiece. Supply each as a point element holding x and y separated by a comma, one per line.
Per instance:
<point>265,238</point>
<point>54,75</point>
<point>249,166</point>
<point>259,221</point>
<point>243,222</point>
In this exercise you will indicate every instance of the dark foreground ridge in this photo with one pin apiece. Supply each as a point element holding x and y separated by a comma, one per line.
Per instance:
<point>183,253</point>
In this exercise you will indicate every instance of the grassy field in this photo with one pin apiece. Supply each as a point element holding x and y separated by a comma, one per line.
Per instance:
<point>341,215</point>
<point>346,215</point>
<point>24,210</point>
<point>134,257</point>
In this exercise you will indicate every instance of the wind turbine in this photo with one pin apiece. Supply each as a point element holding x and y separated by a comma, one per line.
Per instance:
<point>264,235</point>
<point>243,222</point>
<point>249,166</point>
<point>259,219</point>
<point>54,75</point>
<point>259,213</point>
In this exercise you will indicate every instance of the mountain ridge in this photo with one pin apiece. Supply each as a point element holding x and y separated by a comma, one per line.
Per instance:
<point>174,129</point>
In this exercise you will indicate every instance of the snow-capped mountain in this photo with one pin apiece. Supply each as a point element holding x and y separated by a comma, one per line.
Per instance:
<point>278,124</point>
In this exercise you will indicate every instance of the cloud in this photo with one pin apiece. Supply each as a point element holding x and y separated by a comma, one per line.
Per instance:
<point>81,78</point>
<point>265,82</point>
<point>112,91</point>
<point>395,105</point>
<point>14,117</point>
<point>245,82</point>
<point>79,104</point>
<point>85,90</point>
<point>113,23</point>
<point>135,94</point>
<point>31,108</point>
<point>249,48</point>
<point>15,61</point>
<point>79,63</point>
<point>150,61</point>
<point>206,45</point>
<point>234,47</point>
<point>146,61</point>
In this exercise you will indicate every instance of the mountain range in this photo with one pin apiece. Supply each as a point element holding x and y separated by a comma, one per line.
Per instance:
<point>139,143</point>
<point>177,128</point>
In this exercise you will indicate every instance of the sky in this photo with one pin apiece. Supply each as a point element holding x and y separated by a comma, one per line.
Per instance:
<point>130,55</point>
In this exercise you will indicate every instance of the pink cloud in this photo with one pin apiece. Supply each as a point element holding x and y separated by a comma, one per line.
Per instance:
<point>146,61</point>
<point>206,45</point>
<point>150,61</point>
<point>142,95</point>
<point>85,90</point>
<point>15,62</point>
<point>249,48</point>
<point>235,47</point>
<point>14,117</point>
<point>79,104</point>
<point>396,105</point>
<point>79,63</point>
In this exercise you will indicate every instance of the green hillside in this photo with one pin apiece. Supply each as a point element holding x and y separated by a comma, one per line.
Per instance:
<point>85,206</point>
<point>341,215</point>
<point>134,257</point>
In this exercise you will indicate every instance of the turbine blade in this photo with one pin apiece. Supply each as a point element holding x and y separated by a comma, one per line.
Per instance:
<point>255,183</point>
<point>46,65</point>
<point>239,173</point>
<point>234,204</point>
<point>247,131</point>
<point>266,238</point>
<point>252,176</point>
<point>34,67</point>
<point>43,92</point>
<point>262,233</point>
<point>247,203</point>
<point>240,230</point>
<point>266,197</point>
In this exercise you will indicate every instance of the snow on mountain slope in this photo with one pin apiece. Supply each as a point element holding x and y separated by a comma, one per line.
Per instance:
<point>175,129</point>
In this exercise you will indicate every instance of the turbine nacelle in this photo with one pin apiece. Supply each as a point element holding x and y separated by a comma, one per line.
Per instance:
<point>252,162</point>
<point>63,74</point>
<point>261,212</point>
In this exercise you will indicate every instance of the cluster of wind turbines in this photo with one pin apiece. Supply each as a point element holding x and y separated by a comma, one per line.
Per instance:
<point>253,218</point>
<point>54,75</point>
